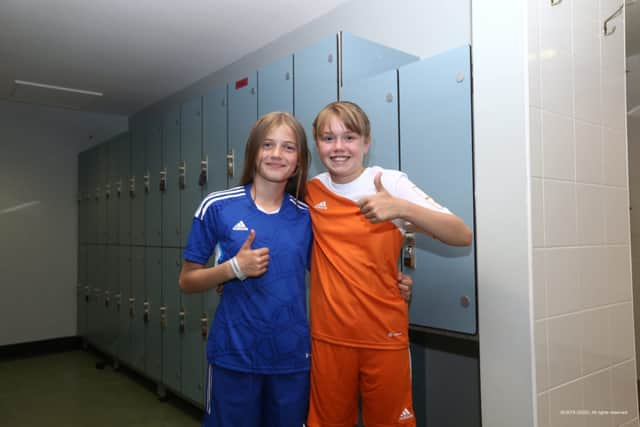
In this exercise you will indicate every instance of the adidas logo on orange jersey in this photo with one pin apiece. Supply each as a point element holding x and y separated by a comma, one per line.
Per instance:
<point>321,205</point>
<point>405,415</point>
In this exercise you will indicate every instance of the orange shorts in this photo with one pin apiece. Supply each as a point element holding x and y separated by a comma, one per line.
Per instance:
<point>381,377</point>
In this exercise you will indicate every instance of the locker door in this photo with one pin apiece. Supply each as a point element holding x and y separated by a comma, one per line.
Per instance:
<point>275,87</point>
<point>98,308</point>
<point>112,186</point>
<point>193,348</point>
<point>171,260</point>
<point>82,283</point>
<point>437,154</point>
<point>214,139</point>
<point>378,97</point>
<point>103,180</point>
<point>92,194</point>
<point>82,198</point>
<point>110,303</point>
<point>125,317</point>
<point>153,299</point>
<point>124,197</point>
<point>243,112</point>
<point>210,301</point>
<point>191,155</point>
<point>171,191</point>
<point>138,171</point>
<point>315,85</point>
<point>363,58</point>
<point>137,321</point>
<point>153,162</point>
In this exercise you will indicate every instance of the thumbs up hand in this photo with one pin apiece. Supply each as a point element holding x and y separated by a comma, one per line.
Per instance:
<point>381,206</point>
<point>252,262</point>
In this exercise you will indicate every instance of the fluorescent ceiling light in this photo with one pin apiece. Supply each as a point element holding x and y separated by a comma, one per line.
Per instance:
<point>66,89</point>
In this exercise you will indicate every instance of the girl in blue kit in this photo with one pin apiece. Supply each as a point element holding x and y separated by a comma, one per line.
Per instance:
<point>258,348</point>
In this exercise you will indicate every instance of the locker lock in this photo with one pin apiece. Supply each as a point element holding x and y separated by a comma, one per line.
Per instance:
<point>409,256</point>
<point>86,293</point>
<point>118,188</point>
<point>132,312</point>
<point>118,298</point>
<point>146,314</point>
<point>181,316</point>
<point>132,187</point>
<point>163,317</point>
<point>107,299</point>
<point>182,170</point>
<point>107,191</point>
<point>230,171</point>
<point>204,169</point>
<point>163,180</point>
<point>147,182</point>
<point>204,326</point>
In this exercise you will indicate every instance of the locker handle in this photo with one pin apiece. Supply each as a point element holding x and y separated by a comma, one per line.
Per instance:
<point>409,256</point>
<point>118,188</point>
<point>182,169</point>
<point>118,298</point>
<point>146,314</point>
<point>97,193</point>
<point>147,182</point>
<point>131,307</point>
<point>204,169</point>
<point>86,293</point>
<point>204,326</point>
<point>163,317</point>
<point>132,187</point>
<point>107,191</point>
<point>163,180</point>
<point>182,326</point>
<point>106,299</point>
<point>230,162</point>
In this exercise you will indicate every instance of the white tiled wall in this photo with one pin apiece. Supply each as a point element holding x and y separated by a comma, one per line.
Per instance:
<point>584,329</point>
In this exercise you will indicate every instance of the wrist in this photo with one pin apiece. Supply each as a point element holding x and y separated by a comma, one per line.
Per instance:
<point>235,267</point>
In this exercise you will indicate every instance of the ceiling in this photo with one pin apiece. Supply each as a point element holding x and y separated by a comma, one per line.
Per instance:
<point>134,52</point>
<point>138,52</point>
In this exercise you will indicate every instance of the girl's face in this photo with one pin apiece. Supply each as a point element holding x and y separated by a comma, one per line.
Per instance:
<point>277,158</point>
<point>341,151</point>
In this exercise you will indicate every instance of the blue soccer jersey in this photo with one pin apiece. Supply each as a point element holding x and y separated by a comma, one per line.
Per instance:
<point>261,323</point>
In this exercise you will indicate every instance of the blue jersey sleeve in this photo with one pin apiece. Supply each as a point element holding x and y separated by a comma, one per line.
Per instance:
<point>202,239</point>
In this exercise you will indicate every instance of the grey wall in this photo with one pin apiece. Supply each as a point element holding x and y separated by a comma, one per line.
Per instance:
<point>38,216</point>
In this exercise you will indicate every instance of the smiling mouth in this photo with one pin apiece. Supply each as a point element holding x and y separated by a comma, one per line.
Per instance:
<point>339,158</point>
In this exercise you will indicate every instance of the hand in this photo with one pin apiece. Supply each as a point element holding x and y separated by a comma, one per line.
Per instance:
<point>252,262</point>
<point>405,284</point>
<point>381,206</point>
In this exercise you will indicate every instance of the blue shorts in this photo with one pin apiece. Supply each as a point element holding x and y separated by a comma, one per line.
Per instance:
<point>240,399</point>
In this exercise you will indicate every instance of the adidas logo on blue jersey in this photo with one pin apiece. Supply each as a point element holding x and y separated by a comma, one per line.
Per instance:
<point>240,226</point>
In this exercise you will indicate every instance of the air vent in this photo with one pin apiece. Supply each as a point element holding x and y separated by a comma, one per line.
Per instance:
<point>55,96</point>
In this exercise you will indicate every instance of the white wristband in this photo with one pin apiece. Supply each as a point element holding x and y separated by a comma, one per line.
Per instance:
<point>236,269</point>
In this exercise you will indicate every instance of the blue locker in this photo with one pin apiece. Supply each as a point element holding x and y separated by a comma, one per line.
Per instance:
<point>169,185</point>
<point>378,97</point>
<point>437,154</point>
<point>214,140</point>
<point>103,181</point>
<point>193,347</point>
<point>136,189</point>
<point>113,214</point>
<point>110,300</point>
<point>82,287</point>
<point>151,309</point>
<point>82,198</point>
<point>137,319</point>
<point>170,319</point>
<point>275,87</point>
<point>315,85</point>
<point>124,306</point>
<point>151,182</point>
<point>243,112</point>
<point>363,58</point>
<point>122,189</point>
<point>191,154</point>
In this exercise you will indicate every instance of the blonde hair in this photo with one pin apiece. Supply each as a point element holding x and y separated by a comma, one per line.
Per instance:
<point>297,183</point>
<point>349,113</point>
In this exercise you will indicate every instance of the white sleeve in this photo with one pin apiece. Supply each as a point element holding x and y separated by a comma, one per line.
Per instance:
<point>405,189</point>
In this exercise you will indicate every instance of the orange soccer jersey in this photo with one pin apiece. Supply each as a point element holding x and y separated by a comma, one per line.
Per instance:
<point>355,300</point>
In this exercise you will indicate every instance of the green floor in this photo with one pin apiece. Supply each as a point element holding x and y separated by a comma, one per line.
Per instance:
<point>65,389</point>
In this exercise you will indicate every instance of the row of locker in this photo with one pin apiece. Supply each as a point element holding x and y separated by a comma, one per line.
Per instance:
<point>135,313</point>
